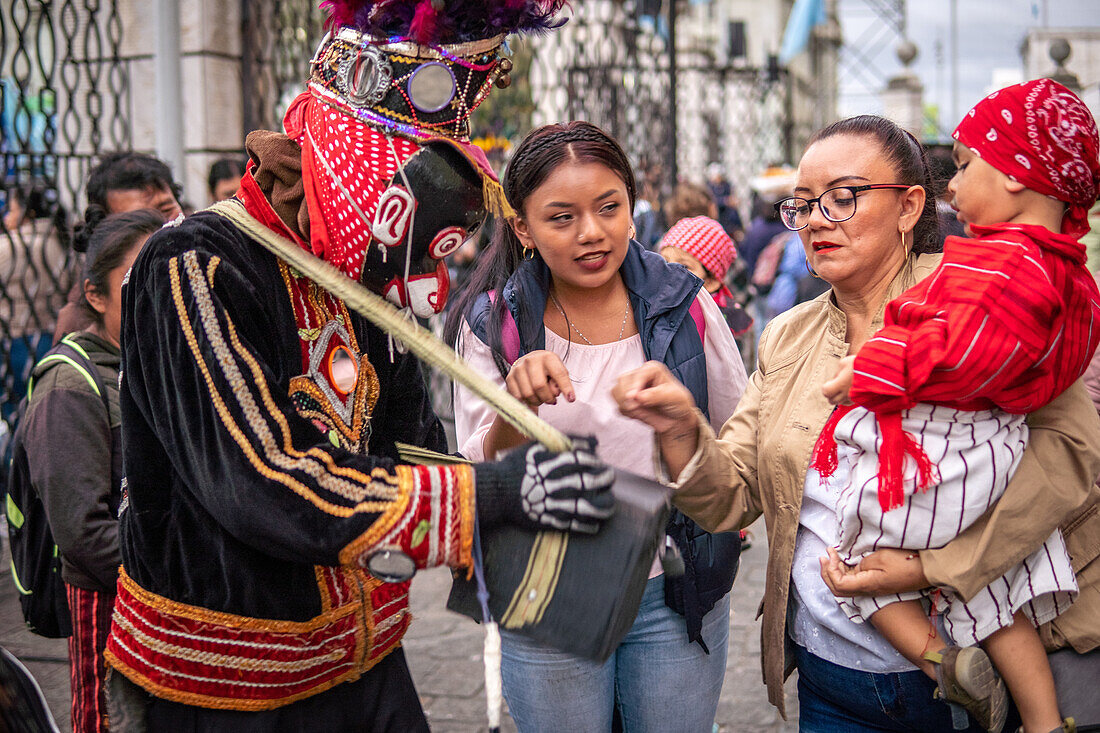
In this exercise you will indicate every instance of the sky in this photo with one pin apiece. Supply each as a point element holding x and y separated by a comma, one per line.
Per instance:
<point>989,36</point>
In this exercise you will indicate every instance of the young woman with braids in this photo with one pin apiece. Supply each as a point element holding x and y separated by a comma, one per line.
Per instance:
<point>73,452</point>
<point>561,304</point>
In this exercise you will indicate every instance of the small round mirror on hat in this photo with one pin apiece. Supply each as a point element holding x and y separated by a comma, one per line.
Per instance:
<point>431,86</point>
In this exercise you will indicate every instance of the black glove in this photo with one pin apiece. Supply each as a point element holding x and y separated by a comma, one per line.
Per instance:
<point>535,488</point>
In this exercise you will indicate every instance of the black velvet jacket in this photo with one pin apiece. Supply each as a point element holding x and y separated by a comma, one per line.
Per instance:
<point>201,525</point>
<point>249,500</point>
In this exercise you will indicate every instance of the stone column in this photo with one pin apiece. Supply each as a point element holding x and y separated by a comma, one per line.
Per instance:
<point>210,44</point>
<point>903,98</point>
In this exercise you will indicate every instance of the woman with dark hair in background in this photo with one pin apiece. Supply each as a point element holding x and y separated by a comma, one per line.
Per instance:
<point>74,455</point>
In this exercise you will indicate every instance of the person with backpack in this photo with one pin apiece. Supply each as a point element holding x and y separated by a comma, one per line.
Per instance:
<point>71,440</point>
<point>561,304</point>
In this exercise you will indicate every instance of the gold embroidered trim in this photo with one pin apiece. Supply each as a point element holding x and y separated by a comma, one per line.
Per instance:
<point>540,579</point>
<point>228,703</point>
<point>467,506</point>
<point>227,661</point>
<point>368,483</point>
<point>407,485</point>
<point>220,618</point>
<point>295,460</point>
<point>211,268</point>
<point>322,587</point>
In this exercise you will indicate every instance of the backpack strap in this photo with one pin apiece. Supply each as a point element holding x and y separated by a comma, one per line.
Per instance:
<point>70,352</point>
<point>509,333</point>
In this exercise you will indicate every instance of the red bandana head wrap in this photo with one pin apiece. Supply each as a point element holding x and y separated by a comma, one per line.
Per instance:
<point>1042,135</point>
<point>345,168</point>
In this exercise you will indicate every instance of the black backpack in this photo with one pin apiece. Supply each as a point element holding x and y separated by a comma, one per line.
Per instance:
<point>36,563</point>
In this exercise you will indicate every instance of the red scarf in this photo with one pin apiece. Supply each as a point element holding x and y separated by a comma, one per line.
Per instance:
<point>1042,135</point>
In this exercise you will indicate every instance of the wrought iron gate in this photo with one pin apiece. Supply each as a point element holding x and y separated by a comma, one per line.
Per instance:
<point>64,98</point>
<point>278,38</point>
<point>610,66</point>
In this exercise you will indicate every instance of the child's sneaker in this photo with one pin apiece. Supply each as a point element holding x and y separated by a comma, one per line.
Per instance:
<point>966,677</point>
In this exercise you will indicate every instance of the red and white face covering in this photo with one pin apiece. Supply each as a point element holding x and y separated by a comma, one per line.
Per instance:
<point>424,294</point>
<point>358,198</point>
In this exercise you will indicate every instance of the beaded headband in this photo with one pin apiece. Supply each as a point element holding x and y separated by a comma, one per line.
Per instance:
<point>417,91</point>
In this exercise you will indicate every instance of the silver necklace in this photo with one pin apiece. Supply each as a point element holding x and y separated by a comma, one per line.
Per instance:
<point>622,327</point>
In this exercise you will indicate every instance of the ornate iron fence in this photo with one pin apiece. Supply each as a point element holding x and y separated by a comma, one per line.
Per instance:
<point>64,98</point>
<point>610,65</point>
<point>278,38</point>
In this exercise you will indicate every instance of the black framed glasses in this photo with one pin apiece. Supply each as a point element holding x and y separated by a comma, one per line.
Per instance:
<point>837,204</point>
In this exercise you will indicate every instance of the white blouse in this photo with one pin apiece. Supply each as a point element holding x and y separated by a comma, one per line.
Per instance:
<point>815,619</point>
<point>624,443</point>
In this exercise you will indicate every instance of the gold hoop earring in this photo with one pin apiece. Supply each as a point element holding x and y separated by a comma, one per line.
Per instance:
<point>528,253</point>
<point>903,246</point>
<point>633,232</point>
<point>810,270</point>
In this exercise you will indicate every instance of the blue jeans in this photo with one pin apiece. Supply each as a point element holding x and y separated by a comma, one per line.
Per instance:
<point>659,680</point>
<point>836,699</point>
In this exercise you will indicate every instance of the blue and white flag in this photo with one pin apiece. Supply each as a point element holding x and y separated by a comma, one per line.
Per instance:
<point>805,15</point>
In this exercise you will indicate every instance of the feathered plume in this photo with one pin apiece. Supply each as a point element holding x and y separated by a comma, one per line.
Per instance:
<point>443,21</point>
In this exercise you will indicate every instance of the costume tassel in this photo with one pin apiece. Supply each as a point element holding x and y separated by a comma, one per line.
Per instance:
<point>927,473</point>
<point>495,200</point>
<point>493,682</point>
<point>895,446</point>
<point>824,458</point>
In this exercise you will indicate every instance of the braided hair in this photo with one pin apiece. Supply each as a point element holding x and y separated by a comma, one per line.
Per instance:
<point>538,156</point>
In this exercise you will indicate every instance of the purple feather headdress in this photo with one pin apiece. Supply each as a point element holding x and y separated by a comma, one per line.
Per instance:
<point>441,22</point>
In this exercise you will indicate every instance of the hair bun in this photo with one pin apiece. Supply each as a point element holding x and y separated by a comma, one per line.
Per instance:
<point>82,234</point>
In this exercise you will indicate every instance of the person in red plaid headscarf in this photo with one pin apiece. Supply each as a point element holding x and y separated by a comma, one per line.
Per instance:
<point>1006,323</point>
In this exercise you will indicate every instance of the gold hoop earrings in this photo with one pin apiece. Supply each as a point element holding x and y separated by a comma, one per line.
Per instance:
<point>810,270</point>
<point>903,245</point>
<point>528,253</point>
<point>633,232</point>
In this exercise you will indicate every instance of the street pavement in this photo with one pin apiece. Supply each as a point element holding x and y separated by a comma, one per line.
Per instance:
<point>444,653</point>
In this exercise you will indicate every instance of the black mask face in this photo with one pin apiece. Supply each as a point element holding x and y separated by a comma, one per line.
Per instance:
<point>441,194</point>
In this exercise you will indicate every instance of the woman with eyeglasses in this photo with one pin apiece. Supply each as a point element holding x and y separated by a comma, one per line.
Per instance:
<point>869,230</point>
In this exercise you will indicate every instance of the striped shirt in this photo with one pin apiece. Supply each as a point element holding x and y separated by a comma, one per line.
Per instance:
<point>1008,320</point>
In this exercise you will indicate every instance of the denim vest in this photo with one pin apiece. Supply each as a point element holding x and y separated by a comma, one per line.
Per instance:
<point>661,295</point>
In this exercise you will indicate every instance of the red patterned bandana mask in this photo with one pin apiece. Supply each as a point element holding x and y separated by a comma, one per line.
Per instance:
<point>363,189</point>
<point>1042,135</point>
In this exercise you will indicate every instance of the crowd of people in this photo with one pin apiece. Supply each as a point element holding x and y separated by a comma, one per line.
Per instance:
<point>885,363</point>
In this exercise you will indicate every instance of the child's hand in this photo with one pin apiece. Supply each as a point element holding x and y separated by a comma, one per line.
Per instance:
<point>882,572</point>
<point>539,378</point>
<point>836,389</point>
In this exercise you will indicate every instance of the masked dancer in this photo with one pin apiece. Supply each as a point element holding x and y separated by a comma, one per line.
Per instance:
<point>268,528</point>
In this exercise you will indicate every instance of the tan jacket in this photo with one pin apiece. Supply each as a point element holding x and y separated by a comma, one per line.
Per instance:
<point>758,466</point>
